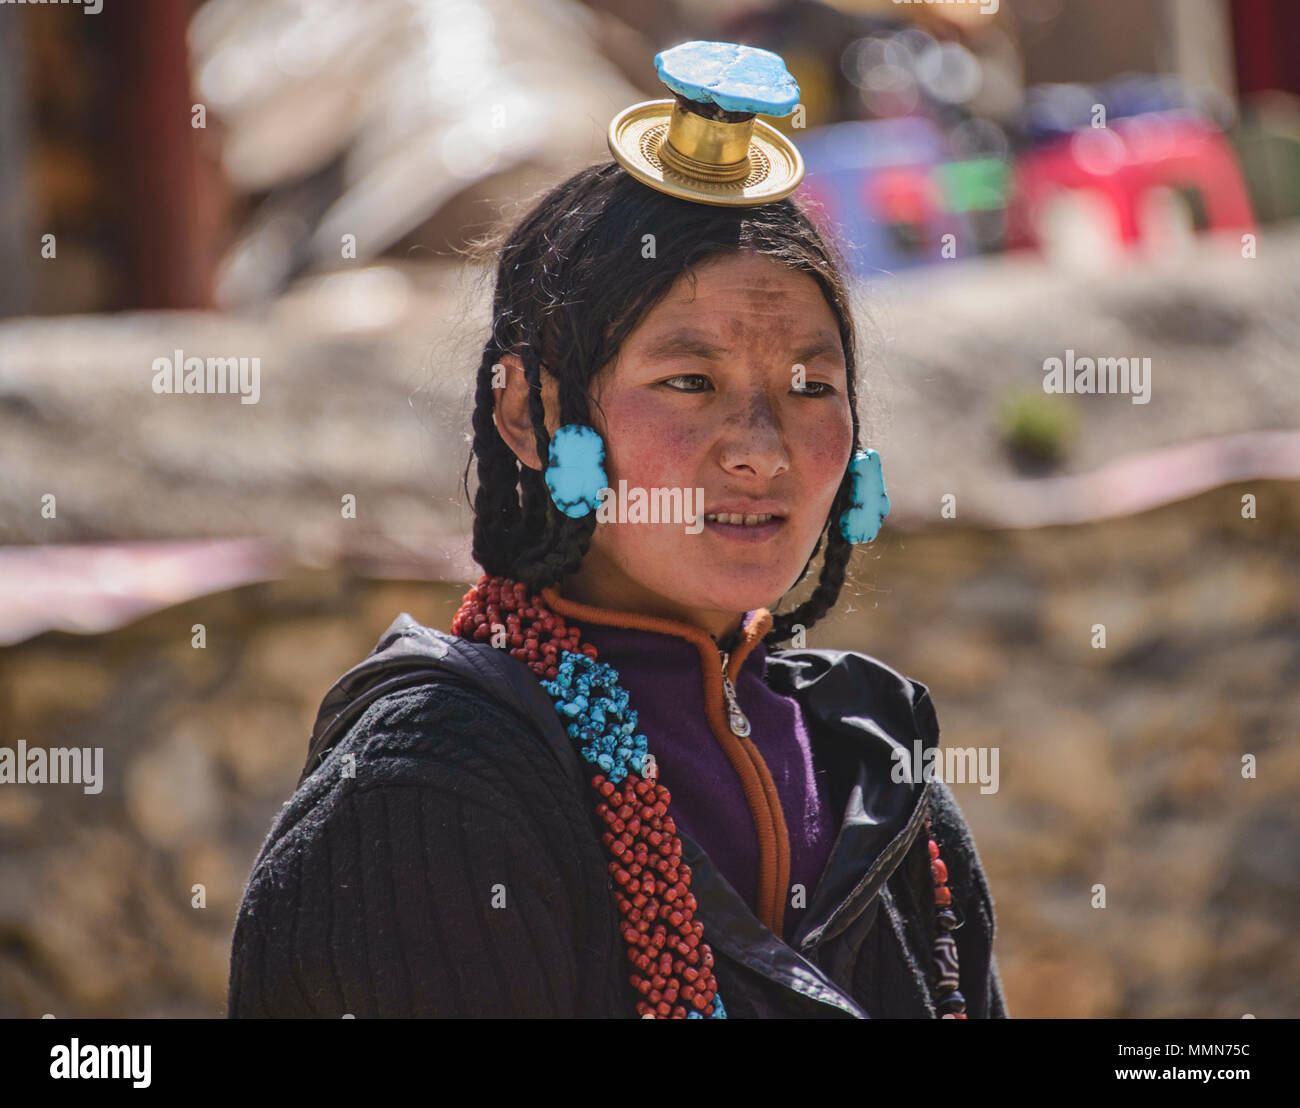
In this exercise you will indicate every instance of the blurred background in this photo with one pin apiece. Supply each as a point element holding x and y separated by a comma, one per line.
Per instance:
<point>301,182</point>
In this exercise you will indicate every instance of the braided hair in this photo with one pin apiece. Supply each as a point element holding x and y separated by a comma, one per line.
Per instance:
<point>566,297</point>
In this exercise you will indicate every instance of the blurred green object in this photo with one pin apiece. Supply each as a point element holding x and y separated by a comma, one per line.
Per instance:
<point>1036,427</point>
<point>1268,145</point>
<point>978,185</point>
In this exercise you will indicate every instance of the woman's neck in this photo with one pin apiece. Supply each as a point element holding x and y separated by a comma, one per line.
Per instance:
<point>725,627</point>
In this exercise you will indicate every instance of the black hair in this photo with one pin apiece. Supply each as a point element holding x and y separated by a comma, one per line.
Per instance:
<point>566,297</point>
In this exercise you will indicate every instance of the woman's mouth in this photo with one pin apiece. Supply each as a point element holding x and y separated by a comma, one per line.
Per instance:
<point>744,528</point>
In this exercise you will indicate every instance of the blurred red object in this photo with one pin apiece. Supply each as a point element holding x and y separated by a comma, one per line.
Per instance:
<point>1120,166</point>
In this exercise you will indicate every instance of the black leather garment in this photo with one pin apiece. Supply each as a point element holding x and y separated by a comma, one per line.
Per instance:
<point>865,946</point>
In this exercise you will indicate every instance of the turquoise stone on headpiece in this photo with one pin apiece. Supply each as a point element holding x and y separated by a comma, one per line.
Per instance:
<point>707,144</point>
<point>735,78</point>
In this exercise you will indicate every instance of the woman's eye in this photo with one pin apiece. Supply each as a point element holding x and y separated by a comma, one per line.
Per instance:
<point>687,377</point>
<point>811,388</point>
<point>823,389</point>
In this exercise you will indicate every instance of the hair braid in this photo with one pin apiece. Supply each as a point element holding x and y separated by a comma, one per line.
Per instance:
<point>497,514</point>
<point>838,552</point>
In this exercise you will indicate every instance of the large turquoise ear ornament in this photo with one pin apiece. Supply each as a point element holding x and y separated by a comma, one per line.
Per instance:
<point>575,471</point>
<point>861,521</point>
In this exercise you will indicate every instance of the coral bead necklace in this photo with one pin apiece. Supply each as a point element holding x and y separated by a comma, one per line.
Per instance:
<point>672,964</point>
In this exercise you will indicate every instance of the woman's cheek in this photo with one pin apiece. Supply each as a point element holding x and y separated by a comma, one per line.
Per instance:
<point>654,453</point>
<point>826,445</point>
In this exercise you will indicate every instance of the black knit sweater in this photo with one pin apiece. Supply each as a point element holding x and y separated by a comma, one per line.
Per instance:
<point>395,893</point>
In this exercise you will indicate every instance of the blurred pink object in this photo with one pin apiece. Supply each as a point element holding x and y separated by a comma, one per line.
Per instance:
<point>91,588</point>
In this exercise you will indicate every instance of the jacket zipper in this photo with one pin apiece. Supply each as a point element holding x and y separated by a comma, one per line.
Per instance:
<point>736,719</point>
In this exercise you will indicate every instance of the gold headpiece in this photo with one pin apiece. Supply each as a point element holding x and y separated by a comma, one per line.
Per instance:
<point>705,145</point>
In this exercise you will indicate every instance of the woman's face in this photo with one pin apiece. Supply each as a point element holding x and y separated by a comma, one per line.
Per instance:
<point>737,387</point>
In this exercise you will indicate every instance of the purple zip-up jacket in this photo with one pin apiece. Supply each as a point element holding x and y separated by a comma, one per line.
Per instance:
<point>665,682</point>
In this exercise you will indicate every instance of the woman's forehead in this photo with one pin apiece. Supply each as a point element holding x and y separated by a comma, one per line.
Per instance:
<point>727,304</point>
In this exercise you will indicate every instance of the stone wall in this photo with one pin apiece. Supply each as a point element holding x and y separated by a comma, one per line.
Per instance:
<point>1118,766</point>
<point>1121,766</point>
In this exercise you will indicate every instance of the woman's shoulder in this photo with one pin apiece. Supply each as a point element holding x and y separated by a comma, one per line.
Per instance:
<point>813,662</point>
<point>434,722</point>
<point>834,681</point>
<point>431,795</point>
<point>430,715</point>
<point>425,697</point>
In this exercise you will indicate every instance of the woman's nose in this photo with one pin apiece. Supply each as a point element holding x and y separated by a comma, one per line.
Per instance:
<point>753,438</point>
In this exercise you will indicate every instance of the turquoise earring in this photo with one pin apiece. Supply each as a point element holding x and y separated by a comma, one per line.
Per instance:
<point>861,520</point>
<point>575,472</point>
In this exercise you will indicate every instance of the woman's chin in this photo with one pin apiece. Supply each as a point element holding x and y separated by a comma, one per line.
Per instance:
<point>717,589</point>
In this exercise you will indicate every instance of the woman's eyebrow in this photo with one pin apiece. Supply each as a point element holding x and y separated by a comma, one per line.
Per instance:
<point>685,342</point>
<point>821,345</point>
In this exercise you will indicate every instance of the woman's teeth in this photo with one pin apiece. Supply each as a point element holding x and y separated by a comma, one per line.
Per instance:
<point>731,517</point>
